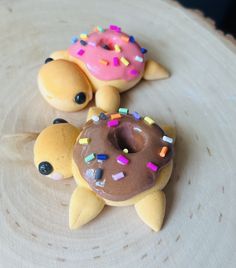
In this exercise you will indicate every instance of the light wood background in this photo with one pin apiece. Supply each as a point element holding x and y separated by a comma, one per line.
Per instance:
<point>199,99</point>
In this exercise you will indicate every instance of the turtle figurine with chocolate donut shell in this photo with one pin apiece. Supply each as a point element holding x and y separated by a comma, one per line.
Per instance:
<point>105,62</point>
<point>118,159</point>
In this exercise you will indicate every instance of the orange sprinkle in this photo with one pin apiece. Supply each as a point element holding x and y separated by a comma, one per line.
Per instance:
<point>104,62</point>
<point>163,151</point>
<point>115,116</point>
<point>125,38</point>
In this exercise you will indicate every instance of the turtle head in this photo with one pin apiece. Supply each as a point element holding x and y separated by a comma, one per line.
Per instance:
<point>53,150</point>
<point>64,85</point>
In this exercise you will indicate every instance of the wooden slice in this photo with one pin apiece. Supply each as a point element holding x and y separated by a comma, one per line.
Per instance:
<point>199,99</point>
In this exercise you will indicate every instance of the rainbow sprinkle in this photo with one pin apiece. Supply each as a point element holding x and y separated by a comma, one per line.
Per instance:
<point>132,39</point>
<point>80,52</point>
<point>139,59</point>
<point>124,61</point>
<point>118,176</point>
<point>136,116</point>
<point>115,116</point>
<point>143,50</point>
<point>95,118</point>
<point>117,48</point>
<point>98,173</point>
<point>149,120</point>
<point>100,183</point>
<point>125,38</point>
<point>83,43</point>
<point>93,44</point>
<point>103,116</point>
<point>102,157</point>
<point>84,141</point>
<point>122,160</point>
<point>115,28</point>
<point>90,173</point>
<point>167,139</point>
<point>126,151</point>
<point>134,72</point>
<point>74,39</point>
<point>123,110</point>
<point>116,61</point>
<point>89,157</point>
<point>104,62</point>
<point>100,29</point>
<point>163,152</point>
<point>152,166</point>
<point>113,123</point>
<point>83,36</point>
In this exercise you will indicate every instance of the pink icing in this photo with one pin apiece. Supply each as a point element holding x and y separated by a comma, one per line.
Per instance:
<point>115,69</point>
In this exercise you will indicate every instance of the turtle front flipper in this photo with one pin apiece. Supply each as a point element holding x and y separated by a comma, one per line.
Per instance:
<point>107,98</point>
<point>85,205</point>
<point>154,71</point>
<point>151,209</point>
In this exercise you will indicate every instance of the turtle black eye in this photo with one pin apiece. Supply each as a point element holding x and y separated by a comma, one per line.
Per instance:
<point>59,121</point>
<point>48,60</point>
<point>45,168</point>
<point>80,98</point>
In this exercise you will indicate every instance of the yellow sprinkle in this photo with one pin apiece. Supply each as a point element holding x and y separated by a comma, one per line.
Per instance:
<point>117,48</point>
<point>149,120</point>
<point>84,36</point>
<point>125,38</point>
<point>115,116</point>
<point>126,151</point>
<point>104,62</point>
<point>124,61</point>
<point>84,141</point>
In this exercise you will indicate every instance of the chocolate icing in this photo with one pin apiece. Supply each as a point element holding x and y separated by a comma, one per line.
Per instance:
<point>144,143</point>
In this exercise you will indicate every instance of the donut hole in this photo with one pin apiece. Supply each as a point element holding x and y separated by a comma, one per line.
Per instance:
<point>107,44</point>
<point>128,137</point>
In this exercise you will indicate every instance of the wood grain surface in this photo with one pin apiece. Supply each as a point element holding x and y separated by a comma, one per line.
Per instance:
<point>199,99</point>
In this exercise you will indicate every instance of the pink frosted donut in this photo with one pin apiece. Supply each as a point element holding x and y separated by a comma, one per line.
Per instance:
<point>110,54</point>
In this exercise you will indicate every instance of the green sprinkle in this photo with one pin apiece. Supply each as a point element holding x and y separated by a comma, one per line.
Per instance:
<point>89,157</point>
<point>123,111</point>
<point>100,29</point>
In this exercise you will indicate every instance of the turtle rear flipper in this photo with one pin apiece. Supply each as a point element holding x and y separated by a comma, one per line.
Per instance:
<point>154,71</point>
<point>85,205</point>
<point>151,209</point>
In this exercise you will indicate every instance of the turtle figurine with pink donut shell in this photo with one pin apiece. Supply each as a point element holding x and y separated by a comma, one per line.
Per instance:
<point>105,62</point>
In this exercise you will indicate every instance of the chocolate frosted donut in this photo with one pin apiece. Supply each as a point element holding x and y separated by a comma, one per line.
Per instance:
<point>102,158</point>
<point>119,159</point>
